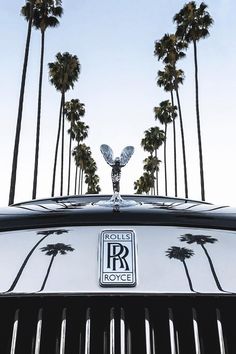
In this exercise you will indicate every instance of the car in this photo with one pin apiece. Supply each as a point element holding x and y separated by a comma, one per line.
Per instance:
<point>149,274</point>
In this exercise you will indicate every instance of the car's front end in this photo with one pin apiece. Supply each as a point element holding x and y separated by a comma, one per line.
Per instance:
<point>153,276</point>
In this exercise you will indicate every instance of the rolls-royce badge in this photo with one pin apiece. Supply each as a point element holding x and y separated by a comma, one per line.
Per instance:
<point>117,258</point>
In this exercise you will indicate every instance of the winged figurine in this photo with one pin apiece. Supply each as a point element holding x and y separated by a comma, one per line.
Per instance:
<point>116,164</point>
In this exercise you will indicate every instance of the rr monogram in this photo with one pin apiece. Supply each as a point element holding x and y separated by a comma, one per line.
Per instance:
<point>117,254</point>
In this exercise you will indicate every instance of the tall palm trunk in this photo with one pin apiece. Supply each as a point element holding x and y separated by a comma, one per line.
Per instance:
<point>198,123</point>
<point>175,159</point>
<point>188,276</point>
<point>183,143</point>
<point>157,189</point>
<point>20,111</point>
<point>57,145</point>
<point>81,182</point>
<point>80,172</point>
<point>62,147</point>
<point>174,136</point>
<point>153,188</point>
<point>69,164</point>
<point>15,281</point>
<point>166,189</point>
<point>48,271</point>
<point>212,268</point>
<point>38,118</point>
<point>76,177</point>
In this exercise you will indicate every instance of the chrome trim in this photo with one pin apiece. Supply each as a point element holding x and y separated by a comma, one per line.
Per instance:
<point>147,331</point>
<point>220,332</point>
<point>105,346</point>
<point>88,331</point>
<point>122,331</point>
<point>63,332</point>
<point>107,324</point>
<point>112,331</point>
<point>117,164</point>
<point>117,267</point>
<point>174,345</point>
<point>196,332</point>
<point>38,332</point>
<point>153,342</point>
<point>159,270</point>
<point>14,332</point>
<point>80,343</point>
<point>129,342</point>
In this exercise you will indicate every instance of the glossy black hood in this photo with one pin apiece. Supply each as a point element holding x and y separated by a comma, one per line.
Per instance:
<point>84,210</point>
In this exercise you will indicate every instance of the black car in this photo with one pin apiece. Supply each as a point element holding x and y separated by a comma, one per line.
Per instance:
<point>152,275</point>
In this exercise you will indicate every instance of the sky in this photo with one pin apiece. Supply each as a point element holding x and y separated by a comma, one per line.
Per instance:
<point>114,41</point>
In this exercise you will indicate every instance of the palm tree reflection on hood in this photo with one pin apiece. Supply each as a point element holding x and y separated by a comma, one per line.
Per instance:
<point>45,234</point>
<point>53,250</point>
<point>181,253</point>
<point>202,240</point>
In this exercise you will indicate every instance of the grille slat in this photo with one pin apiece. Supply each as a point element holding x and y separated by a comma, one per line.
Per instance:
<point>196,332</point>
<point>63,332</point>
<point>220,332</point>
<point>122,331</point>
<point>153,341</point>
<point>117,325</point>
<point>105,346</point>
<point>88,331</point>
<point>112,331</point>
<point>209,338</point>
<point>129,346</point>
<point>38,332</point>
<point>14,332</point>
<point>173,334</point>
<point>147,332</point>
<point>80,343</point>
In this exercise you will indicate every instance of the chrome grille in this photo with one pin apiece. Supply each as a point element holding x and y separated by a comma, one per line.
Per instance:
<point>118,325</point>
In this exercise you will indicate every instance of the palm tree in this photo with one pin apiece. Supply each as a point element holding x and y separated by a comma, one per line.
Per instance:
<point>53,250</point>
<point>151,164</point>
<point>93,184</point>
<point>178,75</point>
<point>193,24</point>
<point>91,178</point>
<point>46,15</point>
<point>45,234</point>
<point>28,12</point>
<point>153,139</point>
<point>144,183</point>
<point>181,253</point>
<point>170,49</point>
<point>166,80</point>
<point>74,110</point>
<point>202,240</point>
<point>82,154</point>
<point>164,113</point>
<point>84,163</point>
<point>79,133</point>
<point>138,186</point>
<point>63,73</point>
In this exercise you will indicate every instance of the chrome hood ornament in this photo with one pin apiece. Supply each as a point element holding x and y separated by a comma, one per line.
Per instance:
<point>117,164</point>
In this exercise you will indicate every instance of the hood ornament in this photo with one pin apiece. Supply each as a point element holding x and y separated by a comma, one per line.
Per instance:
<point>116,163</point>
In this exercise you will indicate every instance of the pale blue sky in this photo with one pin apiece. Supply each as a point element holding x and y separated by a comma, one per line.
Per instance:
<point>114,41</point>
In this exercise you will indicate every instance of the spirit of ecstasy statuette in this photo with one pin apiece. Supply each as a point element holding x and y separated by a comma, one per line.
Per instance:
<point>116,165</point>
